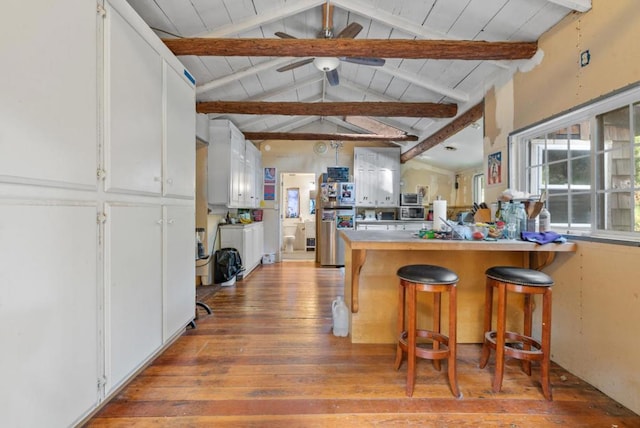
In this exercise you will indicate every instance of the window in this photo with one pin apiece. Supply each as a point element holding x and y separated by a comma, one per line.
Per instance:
<point>478,188</point>
<point>293,202</point>
<point>587,163</point>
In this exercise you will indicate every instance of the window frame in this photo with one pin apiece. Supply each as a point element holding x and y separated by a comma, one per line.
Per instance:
<point>519,157</point>
<point>478,187</point>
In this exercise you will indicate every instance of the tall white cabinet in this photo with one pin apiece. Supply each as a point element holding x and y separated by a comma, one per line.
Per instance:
<point>96,206</point>
<point>234,167</point>
<point>377,176</point>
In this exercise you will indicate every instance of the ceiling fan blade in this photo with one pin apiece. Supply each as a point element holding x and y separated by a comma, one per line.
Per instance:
<point>376,62</point>
<point>332,77</point>
<point>350,31</point>
<point>295,64</point>
<point>284,35</point>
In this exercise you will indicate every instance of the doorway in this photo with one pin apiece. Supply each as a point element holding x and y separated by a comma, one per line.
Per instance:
<point>297,216</point>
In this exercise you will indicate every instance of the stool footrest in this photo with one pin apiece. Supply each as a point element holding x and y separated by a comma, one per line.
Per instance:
<point>534,354</point>
<point>426,353</point>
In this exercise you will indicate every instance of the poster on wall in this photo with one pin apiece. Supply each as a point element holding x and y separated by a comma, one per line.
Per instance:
<point>494,169</point>
<point>270,175</point>
<point>269,192</point>
<point>269,184</point>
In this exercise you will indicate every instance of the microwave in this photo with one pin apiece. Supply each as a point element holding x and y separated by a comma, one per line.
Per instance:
<point>412,213</point>
<point>411,199</point>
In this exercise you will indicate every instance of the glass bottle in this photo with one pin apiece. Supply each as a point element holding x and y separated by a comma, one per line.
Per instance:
<point>544,220</point>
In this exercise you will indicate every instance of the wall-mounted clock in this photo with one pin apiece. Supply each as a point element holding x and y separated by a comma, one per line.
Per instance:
<point>320,148</point>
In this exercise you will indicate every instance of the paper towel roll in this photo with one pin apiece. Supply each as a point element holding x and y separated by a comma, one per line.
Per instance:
<point>439,213</point>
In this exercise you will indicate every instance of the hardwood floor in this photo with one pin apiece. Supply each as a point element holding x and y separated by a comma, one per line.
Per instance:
<point>266,357</point>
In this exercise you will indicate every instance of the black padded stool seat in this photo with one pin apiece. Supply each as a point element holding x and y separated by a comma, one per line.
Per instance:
<point>427,274</point>
<point>436,280</point>
<point>521,346</point>
<point>520,276</point>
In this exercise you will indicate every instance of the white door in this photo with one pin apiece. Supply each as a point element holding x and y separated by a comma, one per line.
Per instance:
<point>48,314</point>
<point>133,143</point>
<point>179,175</point>
<point>133,287</point>
<point>179,268</point>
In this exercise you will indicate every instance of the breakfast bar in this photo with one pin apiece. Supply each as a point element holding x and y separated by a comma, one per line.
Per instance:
<point>373,257</point>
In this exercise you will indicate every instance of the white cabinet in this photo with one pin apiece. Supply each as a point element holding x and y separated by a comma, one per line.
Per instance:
<point>48,313</point>
<point>377,176</point>
<point>92,282</point>
<point>49,108</point>
<point>233,167</point>
<point>248,239</point>
<point>180,117</point>
<point>133,155</point>
<point>178,266</point>
<point>133,288</point>
<point>252,177</point>
<point>150,117</point>
<point>149,287</point>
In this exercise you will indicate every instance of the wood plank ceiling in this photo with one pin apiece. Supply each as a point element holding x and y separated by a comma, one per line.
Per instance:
<point>423,75</point>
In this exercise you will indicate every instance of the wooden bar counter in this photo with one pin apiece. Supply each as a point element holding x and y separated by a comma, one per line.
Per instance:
<point>373,257</point>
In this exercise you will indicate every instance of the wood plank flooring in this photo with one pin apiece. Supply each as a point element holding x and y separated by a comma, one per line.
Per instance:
<point>266,357</point>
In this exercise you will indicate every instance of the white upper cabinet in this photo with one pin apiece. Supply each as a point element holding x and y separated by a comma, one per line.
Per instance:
<point>253,165</point>
<point>233,164</point>
<point>377,176</point>
<point>48,93</point>
<point>180,122</point>
<point>133,155</point>
<point>388,177</point>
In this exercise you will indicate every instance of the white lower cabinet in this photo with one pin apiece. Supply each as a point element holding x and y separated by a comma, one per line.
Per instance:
<point>248,239</point>
<point>179,293</point>
<point>133,288</point>
<point>48,313</point>
<point>150,294</point>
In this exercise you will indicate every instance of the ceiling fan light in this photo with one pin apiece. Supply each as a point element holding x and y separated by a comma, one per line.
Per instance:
<point>326,63</point>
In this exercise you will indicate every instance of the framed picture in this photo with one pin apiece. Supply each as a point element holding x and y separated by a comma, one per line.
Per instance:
<point>494,169</point>
<point>269,192</point>
<point>270,175</point>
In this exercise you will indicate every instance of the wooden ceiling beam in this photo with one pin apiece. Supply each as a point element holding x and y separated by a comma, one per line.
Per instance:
<point>383,48</point>
<point>299,136</point>
<point>458,124</point>
<point>379,109</point>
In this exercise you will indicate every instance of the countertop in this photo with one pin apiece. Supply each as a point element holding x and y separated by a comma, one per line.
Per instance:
<point>407,240</point>
<point>370,221</point>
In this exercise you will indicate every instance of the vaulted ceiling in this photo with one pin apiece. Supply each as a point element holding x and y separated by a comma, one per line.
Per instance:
<point>431,50</point>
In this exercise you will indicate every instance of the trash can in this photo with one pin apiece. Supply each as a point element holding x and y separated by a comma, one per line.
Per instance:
<point>227,265</point>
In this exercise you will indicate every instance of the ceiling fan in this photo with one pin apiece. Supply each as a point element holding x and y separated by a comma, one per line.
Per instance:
<point>330,64</point>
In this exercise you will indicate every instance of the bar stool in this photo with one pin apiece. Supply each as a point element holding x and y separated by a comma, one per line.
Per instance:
<point>511,344</point>
<point>436,280</point>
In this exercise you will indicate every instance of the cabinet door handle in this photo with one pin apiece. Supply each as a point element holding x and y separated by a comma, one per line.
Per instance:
<point>171,221</point>
<point>169,180</point>
<point>159,221</point>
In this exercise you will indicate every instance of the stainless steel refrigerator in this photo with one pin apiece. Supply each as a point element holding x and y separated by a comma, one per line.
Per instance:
<point>337,212</point>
